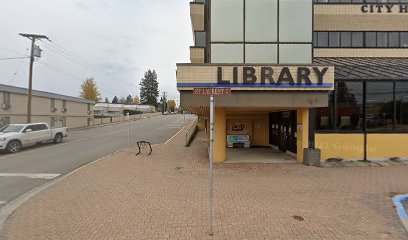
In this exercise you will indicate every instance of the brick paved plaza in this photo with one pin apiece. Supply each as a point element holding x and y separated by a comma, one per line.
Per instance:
<point>165,196</point>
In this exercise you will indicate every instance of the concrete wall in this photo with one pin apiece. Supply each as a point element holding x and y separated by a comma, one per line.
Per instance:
<point>348,17</point>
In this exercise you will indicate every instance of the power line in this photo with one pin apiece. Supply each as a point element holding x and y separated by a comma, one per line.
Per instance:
<point>81,61</point>
<point>12,58</point>
<point>12,51</point>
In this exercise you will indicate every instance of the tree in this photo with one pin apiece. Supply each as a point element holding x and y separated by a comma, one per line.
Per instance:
<point>149,88</point>
<point>122,100</point>
<point>106,100</point>
<point>90,91</point>
<point>115,100</point>
<point>136,100</point>
<point>171,105</point>
<point>129,99</point>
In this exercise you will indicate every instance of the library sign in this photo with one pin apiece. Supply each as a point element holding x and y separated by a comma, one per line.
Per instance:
<point>384,8</point>
<point>246,77</point>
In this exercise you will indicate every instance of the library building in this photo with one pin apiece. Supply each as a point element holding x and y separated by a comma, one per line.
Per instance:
<point>304,79</point>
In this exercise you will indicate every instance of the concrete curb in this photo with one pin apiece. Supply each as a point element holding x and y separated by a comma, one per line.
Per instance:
<point>400,209</point>
<point>9,208</point>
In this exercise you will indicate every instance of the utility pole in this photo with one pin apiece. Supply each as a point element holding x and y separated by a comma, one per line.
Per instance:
<point>32,37</point>
<point>164,101</point>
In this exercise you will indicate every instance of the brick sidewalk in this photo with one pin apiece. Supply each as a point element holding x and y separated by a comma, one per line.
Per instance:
<point>165,196</point>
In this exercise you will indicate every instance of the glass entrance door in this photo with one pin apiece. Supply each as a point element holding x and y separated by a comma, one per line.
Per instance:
<point>283,130</point>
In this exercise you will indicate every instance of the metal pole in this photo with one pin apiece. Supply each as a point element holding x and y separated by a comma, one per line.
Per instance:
<point>212,139</point>
<point>128,118</point>
<point>30,81</point>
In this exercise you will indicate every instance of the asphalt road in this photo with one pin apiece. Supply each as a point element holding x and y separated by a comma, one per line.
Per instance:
<point>34,166</point>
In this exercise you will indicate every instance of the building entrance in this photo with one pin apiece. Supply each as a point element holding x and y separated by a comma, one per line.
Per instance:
<point>282,127</point>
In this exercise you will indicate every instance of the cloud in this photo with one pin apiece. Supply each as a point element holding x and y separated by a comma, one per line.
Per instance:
<point>88,5</point>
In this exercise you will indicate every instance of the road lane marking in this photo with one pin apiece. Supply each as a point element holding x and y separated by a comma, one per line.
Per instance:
<point>136,124</point>
<point>47,176</point>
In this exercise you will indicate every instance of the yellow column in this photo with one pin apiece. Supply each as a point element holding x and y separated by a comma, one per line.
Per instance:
<point>302,132</point>
<point>220,144</point>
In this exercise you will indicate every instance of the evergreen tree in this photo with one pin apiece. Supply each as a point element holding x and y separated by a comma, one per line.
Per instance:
<point>129,99</point>
<point>106,100</point>
<point>149,88</point>
<point>115,100</point>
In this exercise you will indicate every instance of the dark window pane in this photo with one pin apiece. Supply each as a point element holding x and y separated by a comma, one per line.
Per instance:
<point>346,39</point>
<point>334,39</point>
<point>349,106</point>
<point>357,39</point>
<point>370,39</point>
<point>315,39</point>
<point>200,39</point>
<point>382,40</point>
<point>393,39</point>
<point>322,39</point>
<point>404,39</point>
<point>379,106</point>
<point>401,97</point>
<point>325,116</point>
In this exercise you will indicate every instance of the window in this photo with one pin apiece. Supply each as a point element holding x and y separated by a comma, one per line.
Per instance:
<point>401,98</point>
<point>345,39</point>
<point>200,39</point>
<point>30,127</point>
<point>382,39</point>
<point>386,107</point>
<point>64,106</point>
<point>359,1</point>
<point>334,39</point>
<point>393,39</point>
<point>322,39</point>
<point>361,39</point>
<point>349,106</point>
<point>295,21</point>
<point>404,39</point>
<point>260,21</point>
<point>227,20</point>
<point>7,98</point>
<point>261,53</point>
<point>295,53</point>
<point>357,39</point>
<point>250,31</point>
<point>325,116</point>
<point>379,106</point>
<point>370,39</point>
<point>227,53</point>
<point>41,127</point>
<point>53,109</point>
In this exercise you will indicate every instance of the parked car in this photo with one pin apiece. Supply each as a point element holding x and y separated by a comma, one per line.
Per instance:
<point>13,137</point>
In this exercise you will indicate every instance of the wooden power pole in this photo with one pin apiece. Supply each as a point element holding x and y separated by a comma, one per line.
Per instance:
<point>32,37</point>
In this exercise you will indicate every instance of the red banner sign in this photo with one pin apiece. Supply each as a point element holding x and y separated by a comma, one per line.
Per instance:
<point>212,91</point>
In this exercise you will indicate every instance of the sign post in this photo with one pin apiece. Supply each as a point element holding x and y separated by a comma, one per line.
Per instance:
<point>212,139</point>
<point>212,92</point>
<point>128,120</point>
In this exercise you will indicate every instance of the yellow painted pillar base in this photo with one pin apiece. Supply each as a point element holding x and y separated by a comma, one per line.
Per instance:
<point>302,132</point>
<point>220,144</point>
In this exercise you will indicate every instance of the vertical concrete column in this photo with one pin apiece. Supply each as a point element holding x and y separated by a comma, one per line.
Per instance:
<point>302,132</point>
<point>220,144</point>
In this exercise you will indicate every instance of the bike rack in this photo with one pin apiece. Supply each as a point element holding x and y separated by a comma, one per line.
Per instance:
<point>144,145</point>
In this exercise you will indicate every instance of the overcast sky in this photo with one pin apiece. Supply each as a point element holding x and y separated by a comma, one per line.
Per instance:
<point>118,39</point>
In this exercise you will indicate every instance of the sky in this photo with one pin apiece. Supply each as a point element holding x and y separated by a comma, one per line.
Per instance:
<point>113,41</point>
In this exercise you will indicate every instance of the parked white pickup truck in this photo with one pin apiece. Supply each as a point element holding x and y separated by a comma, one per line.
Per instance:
<point>15,136</point>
